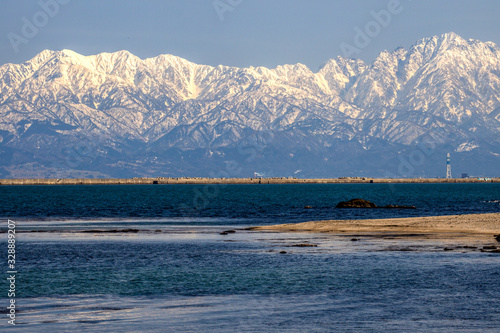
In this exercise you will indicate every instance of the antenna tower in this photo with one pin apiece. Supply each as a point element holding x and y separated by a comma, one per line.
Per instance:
<point>448,166</point>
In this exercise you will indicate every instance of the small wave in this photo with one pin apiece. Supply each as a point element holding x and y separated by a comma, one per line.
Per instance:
<point>91,231</point>
<point>111,231</point>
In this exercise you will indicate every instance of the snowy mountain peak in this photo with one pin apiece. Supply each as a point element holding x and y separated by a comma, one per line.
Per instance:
<point>443,89</point>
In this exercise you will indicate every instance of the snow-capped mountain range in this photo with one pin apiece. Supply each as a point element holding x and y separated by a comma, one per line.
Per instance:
<point>112,114</point>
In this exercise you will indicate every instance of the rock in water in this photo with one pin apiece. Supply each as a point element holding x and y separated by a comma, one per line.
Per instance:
<point>497,237</point>
<point>356,203</point>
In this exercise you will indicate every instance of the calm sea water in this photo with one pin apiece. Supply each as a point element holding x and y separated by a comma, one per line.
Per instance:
<point>241,204</point>
<point>178,274</point>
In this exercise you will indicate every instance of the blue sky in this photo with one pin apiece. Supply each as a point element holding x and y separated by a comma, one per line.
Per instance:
<point>236,32</point>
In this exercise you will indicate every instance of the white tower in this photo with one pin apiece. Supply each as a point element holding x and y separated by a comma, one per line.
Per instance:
<point>448,166</point>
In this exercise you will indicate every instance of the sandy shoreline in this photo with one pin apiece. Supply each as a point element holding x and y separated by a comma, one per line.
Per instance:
<point>479,227</point>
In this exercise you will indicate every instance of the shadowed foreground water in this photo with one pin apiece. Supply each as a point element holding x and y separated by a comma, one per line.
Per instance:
<point>205,282</point>
<point>177,273</point>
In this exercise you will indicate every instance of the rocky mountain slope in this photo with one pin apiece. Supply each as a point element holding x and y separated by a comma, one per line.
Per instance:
<point>67,115</point>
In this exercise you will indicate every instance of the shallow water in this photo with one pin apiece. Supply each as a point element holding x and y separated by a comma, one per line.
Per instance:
<point>179,274</point>
<point>193,281</point>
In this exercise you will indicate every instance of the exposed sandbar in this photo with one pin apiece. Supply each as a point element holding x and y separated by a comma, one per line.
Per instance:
<point>477,226</point>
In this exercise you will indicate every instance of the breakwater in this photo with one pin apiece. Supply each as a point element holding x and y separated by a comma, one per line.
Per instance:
<point>276,180</point>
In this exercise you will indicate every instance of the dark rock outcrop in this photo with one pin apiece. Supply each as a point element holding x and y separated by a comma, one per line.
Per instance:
<point>497,237</point>
<point>361,203</point>
<point>356,203</point>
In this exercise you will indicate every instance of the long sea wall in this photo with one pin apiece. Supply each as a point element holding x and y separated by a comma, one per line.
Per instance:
<point>163,180</point>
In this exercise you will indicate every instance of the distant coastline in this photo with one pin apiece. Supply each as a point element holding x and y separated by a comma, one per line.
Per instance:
<point>215,181</point>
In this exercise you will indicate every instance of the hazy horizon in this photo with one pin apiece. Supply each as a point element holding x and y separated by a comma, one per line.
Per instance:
<point>236,33</point>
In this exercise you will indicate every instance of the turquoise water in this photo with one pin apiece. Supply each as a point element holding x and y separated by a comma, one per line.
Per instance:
<point>177,273</point>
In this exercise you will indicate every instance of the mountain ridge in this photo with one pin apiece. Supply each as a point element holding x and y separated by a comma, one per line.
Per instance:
<point>144,116</point>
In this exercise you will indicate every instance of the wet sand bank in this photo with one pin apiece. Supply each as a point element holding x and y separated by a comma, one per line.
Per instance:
<point>477,228</point>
